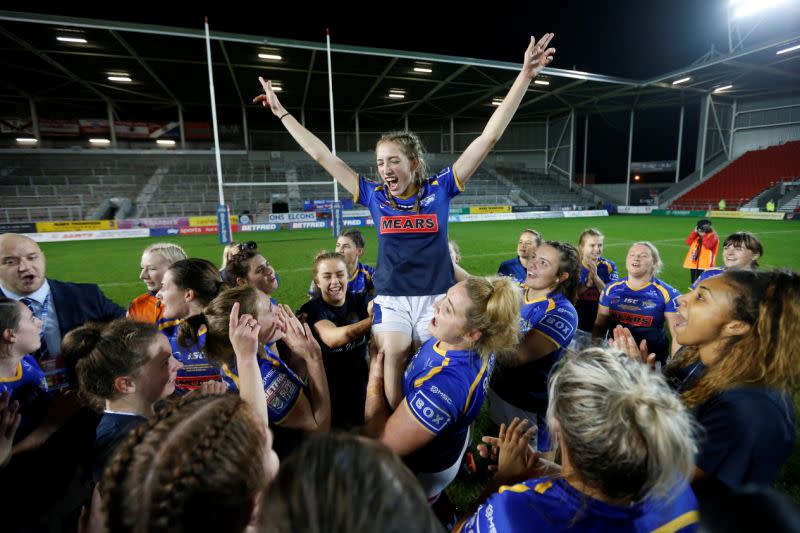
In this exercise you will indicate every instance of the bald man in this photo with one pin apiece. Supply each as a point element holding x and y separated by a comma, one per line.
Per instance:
<point>62,306</point>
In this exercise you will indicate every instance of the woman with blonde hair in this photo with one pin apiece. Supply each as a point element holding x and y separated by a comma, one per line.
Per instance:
<point>627,450</point>
<point>156,259</point>
<point>445,383</point>
<point>410,209</point>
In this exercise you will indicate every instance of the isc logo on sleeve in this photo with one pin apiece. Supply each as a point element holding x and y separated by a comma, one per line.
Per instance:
<point>428,412</point>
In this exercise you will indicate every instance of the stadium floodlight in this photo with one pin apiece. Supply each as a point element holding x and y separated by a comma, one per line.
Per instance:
<point>744,8</point>
<point>124,79</point>
<point>397,95</point>
<point>274,57</point>
<point>100,142</point>
<point>723,88</point>
<point>424,70</point>
<point>27,140</point>
<point>541,82</point>
<point>277,88</point>
<point>787,50</point>
<point>165,142</point>
<point>682,80</point>
<point>497,101</point>
<point>66,39</point>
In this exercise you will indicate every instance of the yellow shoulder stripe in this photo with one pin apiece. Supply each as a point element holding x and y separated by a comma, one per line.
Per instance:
<point>16,377</point>
<point>230,374</point>
<point>475,383</point>
<point>432,372</point>
<point>686,519</point>
<point>664,292</point>
<point>520,488</point>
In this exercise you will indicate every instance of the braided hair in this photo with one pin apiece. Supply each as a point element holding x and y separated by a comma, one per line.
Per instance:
<point>202,453</point>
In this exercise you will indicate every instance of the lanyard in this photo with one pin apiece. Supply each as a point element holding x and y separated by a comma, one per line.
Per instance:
<point>43,318</point>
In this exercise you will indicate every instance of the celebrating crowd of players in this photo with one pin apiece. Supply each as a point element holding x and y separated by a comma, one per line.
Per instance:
<point>215,407</point>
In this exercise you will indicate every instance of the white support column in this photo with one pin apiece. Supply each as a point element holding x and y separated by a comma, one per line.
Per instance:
<point>547,145</point>
<point>571,144</point>
<point>585,145</point>
<point>680,145</point>
<point>703,134</point>
<point>733,123</point>
<point>358,134</point>
<point>630,153</point>
<point>181,127</point>
<point>111,128</point>
<point>452,136</point>
<point>245,132</point>
<point>34,119</point>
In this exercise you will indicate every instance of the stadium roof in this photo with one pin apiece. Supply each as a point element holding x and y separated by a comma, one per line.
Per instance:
<point>167,68</point>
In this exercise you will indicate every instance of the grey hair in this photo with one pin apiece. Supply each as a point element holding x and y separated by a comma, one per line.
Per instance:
<point>657,263</point>
<point>171,252</point>
<point>625,432</point>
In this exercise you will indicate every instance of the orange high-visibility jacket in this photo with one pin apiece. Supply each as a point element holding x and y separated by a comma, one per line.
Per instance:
<point>702,252</point>
<point>145,308</point>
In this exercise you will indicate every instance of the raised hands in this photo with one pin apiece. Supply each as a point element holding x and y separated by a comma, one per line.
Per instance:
<point>623,341</point>
<point>243,332</point>
<point>269,98</point>
<point>298,337</point>
<point>516,461</point>
<point>538,56</point>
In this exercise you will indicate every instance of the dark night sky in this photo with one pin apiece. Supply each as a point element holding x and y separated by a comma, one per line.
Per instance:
<point>631,38</point>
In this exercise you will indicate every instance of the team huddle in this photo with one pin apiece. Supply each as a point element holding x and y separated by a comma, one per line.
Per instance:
<point>617,402</point>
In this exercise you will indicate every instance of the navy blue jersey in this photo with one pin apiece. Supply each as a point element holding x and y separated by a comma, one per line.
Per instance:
<point>281,385</point>
<point>112,429</point>
<point>545,505</point>
<point>444,392</point>
<point>748,434</point>
<point>196,368</point>
<point>525,386</point>
<point>413,255</point>
<point>361,280</point>
<point>345,366</point>
<point>707,273</point>
<point>587,300</point>
<point>642,311</point>
<point>28,386</point>
<point>513,268</point>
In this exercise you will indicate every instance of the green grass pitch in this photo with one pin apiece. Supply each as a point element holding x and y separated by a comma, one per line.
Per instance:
<point>114,265</point>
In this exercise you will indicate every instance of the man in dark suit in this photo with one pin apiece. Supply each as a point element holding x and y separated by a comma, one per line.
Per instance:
<point>62,306</point>
<point>61,445</point>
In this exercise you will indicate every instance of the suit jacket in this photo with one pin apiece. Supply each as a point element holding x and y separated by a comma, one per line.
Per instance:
<point>78,303</point>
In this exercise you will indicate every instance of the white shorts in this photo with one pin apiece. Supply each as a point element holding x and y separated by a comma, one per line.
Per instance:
<point>404,314</point>
<point>433,483</point>
<point>502,412</point>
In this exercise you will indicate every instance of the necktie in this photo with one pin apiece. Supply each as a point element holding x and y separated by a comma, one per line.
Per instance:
<point>33,305</point>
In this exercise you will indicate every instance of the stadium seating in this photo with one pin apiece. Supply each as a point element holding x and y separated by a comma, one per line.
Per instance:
<point>744,178</point>
<point>72,186</point>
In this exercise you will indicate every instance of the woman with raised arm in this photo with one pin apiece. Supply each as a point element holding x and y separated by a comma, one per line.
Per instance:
<point>410,211</point>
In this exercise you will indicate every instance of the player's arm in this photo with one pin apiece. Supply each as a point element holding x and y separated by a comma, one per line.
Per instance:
<point>335,336</point>
<point>400,431</point>
<point>309,142</point>
<point>601,322</point>
<point>537,56</point>
<point>535,345</point>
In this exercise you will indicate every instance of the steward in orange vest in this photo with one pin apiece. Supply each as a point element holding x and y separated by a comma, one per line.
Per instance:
<point>703,246</point>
